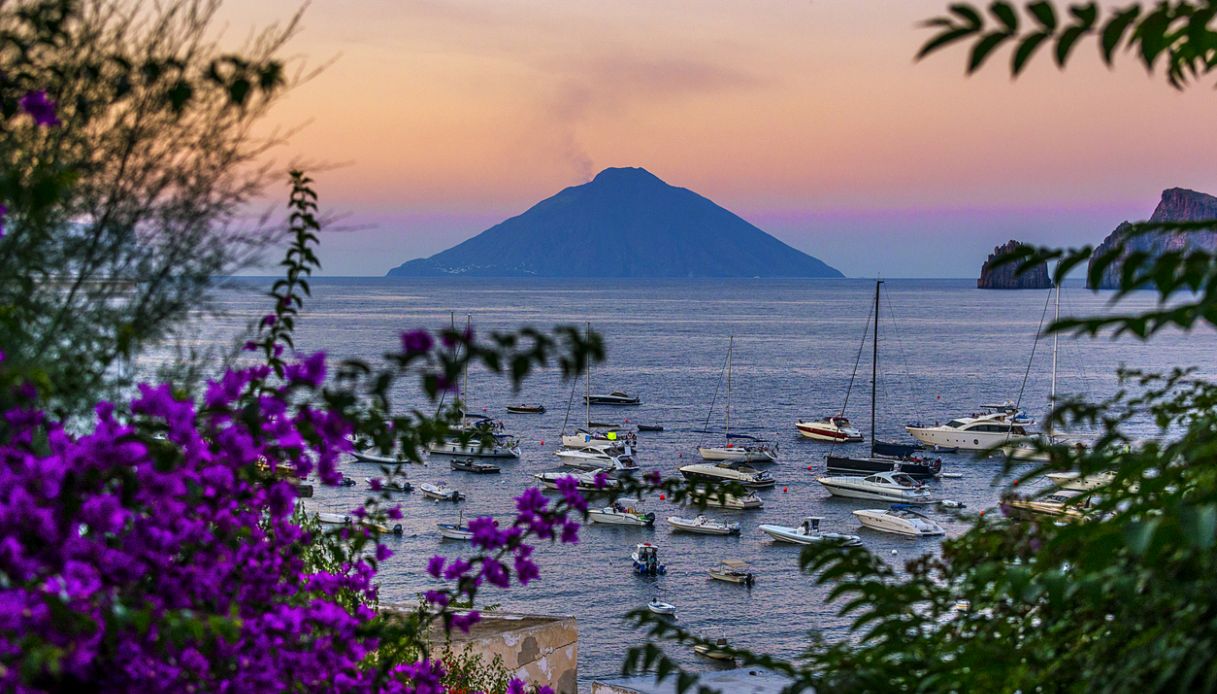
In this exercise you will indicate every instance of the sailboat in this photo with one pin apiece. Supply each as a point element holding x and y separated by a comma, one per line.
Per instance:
<point>749,449</point>
<point>476,428</point>
<point>587,436</point>
<point>884,457</point>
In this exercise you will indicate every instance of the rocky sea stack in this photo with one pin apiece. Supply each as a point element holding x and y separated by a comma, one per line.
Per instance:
<point>1007,276</point>
<point>624,223</point>
<point>1177,205</point>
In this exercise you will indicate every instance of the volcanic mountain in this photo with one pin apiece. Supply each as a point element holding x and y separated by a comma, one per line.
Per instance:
<point>625,222</point>
<point>1176,205</point>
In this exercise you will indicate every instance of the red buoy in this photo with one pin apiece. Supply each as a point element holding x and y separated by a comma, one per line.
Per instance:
<point>662,497</point>
<point>785,489</point>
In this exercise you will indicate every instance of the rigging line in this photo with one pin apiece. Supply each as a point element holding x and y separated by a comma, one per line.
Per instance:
<point>857,361</point>
<point>718,384</point>
<point>1038,333</point>
<point>569,402</point>
<point>891,312</point>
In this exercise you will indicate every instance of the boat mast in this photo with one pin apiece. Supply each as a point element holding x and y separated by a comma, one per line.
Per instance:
<point>587,385</point>
<point>465,388</point>
<point>1055,339</point>
<point>727,424</point>
<point>874,370</point>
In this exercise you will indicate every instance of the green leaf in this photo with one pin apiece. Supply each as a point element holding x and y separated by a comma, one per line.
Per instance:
<point>943,39</point>
<point>968,14</point>
<point>983,47</point>
<point>1066,42</point>
<point>1114,31</point>
<point>1044,13</point>
<point>1138,535</point>
<point>1025,50</point>
<point>1005,14</point>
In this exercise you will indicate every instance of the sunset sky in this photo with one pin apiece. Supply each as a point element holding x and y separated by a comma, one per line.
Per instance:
<point>808,118</point>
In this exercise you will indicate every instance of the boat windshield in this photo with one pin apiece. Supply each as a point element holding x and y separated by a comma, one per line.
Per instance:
<point>904,480</point>
<point>954,424</point>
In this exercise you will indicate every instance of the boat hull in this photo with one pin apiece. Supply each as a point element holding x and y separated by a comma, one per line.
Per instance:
<point>612,518</point>
<point>869,466</point>
<point>943,437</point>
<point>736,455</point>
<point>883,522</point>
<point>850,492</point>
<point>739,579</point>
<point>783,533</point>
<point>451,532</point>
<point>818,432</point>
<point>688,526</point>
<point>473,450</point>
<point>702,475</point>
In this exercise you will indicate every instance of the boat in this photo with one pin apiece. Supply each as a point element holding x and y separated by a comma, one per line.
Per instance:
<point>389,485</point>
<point>646,560</point>
<point>620,514</point>
<point>883,486</point>
<point>471,465</point>
<point>499,446</point>
<point>440,491</point>
<point>455,531</point>
<point>836,429</point>
<point>585,481</point>
<point>733,571</point>
<point>1074,481</point>
<point>703,526</point>
<point>899,519</point>
<point>599,437</point>
<point>808,533</point>
<point>616,397</point>
<point>377,459</point>
<point>884,457</point>
<point>974,433</point>
<point>716,651</point>
<point>649,427</point>
<point>1011,409</point>
<point>526,408</point>
<point>597,458</point>
<point>738,448</point>
<point>347,482</point>
<point>661,607</point>
<point>328,518</point>
<point>741,473</point>
<point>1068,504</point>
<point>746,502</point>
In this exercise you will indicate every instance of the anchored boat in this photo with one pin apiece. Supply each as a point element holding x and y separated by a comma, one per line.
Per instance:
<point>884,486</point>
<point>900,520</point>
<point>703,526</point>
<point>808,533</point>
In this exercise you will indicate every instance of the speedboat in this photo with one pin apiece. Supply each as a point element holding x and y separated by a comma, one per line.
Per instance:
<point>732,571</point>
<point>620,514</point>
<point>471,465</point>
<point>344,519</point>
<point>389,485</point>
<point>377,459</point>
<point>883,486</point>
<point>616,397</point>
<point>703,526</point>
<point>717,651</point>
<point>440,491</point>
<point>913,466</point>
<point>1063,503</point>
<point>746,502</point>
<point>597,458</point>
<point>976,433</point>
<point>501,446</point>
<point>650,427</point>
<point>608,437</point>
<point>661,607</point>
<point>808,533</point>
<point>835,428</point>
<point>646,560</point>
<point>728,472</point>
<point>899,519</point>
<point>585,481</point>
<point>526,408</point>
<point>754,450</point>
<point>1074,481</point>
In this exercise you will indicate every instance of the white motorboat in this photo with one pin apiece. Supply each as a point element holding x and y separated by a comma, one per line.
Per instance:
<point>661,607</point>
<point>500,446</point>
<point>746,502</point>
<point>646,560</point>
<point>703,526</point>
<point>472,465</point>
<point>1063,503</point>
<point>733,571</point>
<point>882,486</point>
<point>728,472</point>
<point>620,514</point>
<point>899,519</point>
<point>597,458</point>
<point>394,485</point>
<point>599,438</point>
<point>836,429</point>
<point>616,397</point>
<point>736,447</point>
<point>975,433</point>
<point>808,533</point>
<point>377,459</point>
<point>717,651</point>
<point>585,481</point>
<point>328,518</point>
<point>1074,481</point>
<point>455,531</point>
<point>440,491</point>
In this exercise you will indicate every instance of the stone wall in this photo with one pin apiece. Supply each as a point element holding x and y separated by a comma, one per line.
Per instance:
<point>538,648</point>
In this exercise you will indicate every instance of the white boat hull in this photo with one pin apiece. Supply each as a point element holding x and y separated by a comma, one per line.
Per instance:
<point>881,520</point>
<point>450,533</point>
<point>737,454</point>
<point>784,533</point>
<point>473,450</point>
<point>609,517</point>
<point>871,494</point>
<point>821,432</point>
<point>707,528</point>
<point>963,440</point>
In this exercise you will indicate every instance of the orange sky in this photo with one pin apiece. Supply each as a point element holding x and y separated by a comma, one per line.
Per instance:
<point>808,118</point>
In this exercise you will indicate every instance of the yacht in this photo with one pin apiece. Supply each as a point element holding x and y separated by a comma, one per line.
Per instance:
<point>836,429</point>
<point>741,473</point>
<point>899,519</point>
<point>526,408</point>
<point>1074,481</point>
<point>883,486</point>
<point>500,446</point>
<point>1063,503</point>
<point>597,458</point>
<point>620,514</point>
<point>808,533</point>
<point>599,437</point>
<point>585,481</point>
<point>703,526</point>
<point>616,397</point>
<point>976,433</point>
<point>471,465</point>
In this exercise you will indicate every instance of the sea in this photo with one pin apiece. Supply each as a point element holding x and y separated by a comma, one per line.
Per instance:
<point>945,347</point>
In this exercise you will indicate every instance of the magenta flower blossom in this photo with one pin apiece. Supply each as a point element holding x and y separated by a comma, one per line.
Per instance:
<point>416,342</point>
<point>435,566</point>
<point>40,107</point>
<point>310,372</point>
<point>3,218</point>
<point>465,620</point>
<point>269,320</point>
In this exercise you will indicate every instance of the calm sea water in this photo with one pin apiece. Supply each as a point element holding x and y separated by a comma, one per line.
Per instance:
<point>945,347</point>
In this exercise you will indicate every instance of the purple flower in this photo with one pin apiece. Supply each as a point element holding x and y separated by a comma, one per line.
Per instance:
<point>3,218</point>
<point>268,320</point>
<point>653,477</point>
<point>515,686</point>
<point>383,553</point>
<point>495,573</point>
<point>394,513</point>
<point>416,342</point>
<point>250,346</point>
<point>570,532</point>
<point>465,620</point>
<point>436,597</point>
<point>40,107</point>
<point>526,570</point>
<point>435,566</point>
<point>456,569</point>
<point>569,486</point>
<point>310,372</point>
<point>486,533</point>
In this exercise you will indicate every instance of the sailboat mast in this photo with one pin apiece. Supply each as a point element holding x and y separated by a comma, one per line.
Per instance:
<point>465,388</point>
<point>587,386</point>
<point>874,370</point>
<point>1055,339</point>
<point>727,423</point>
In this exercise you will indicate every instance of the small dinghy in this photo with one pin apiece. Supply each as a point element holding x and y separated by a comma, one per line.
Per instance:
<point>389,485</point>
<point>715,652</point>
<point>526,408</point>
<point>733,571</point>
<point>455,531</point>
<point>620,514</point>
<point>471,465</point>
<point>808,533</point>
<point>440,491</point>
<point>650,427</point>
<point>344,519</point>
<point>899,519</point>
<point>347,481</point>
<point>703,526</point>
<point>661,607</point>
<point>646,560</point>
